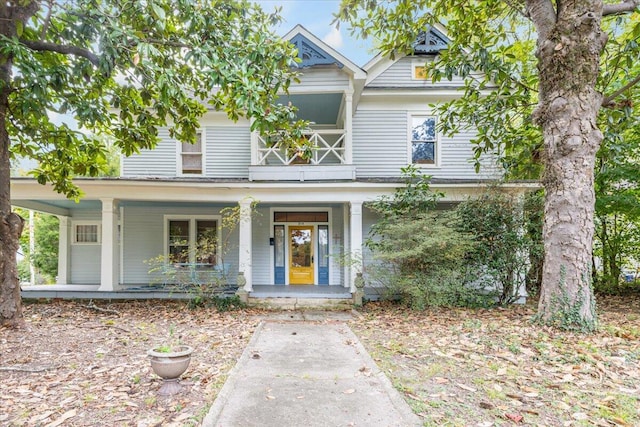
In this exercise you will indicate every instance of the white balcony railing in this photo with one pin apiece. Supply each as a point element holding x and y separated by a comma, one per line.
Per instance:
<point>328,148</point>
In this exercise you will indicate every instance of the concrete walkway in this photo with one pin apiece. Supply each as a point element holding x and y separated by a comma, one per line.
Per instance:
<point>297,373</point>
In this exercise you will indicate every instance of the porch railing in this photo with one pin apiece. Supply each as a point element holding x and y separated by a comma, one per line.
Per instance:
<point>328,147</point>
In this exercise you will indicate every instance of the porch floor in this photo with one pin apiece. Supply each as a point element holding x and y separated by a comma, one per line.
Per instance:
<point>92,292</point>
<point>169,292</point>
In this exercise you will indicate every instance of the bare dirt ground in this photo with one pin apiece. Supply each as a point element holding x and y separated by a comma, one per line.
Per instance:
<point>486,368</point>
<point>80,366</point>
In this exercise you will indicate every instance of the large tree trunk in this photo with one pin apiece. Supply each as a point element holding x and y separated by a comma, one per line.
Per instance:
<point>11,224</point>
<point>568,51</point>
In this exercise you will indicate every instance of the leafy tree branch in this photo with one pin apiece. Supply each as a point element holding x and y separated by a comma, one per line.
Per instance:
<point>43,46</point>
<point>623,7</point>
<point>607,101</point>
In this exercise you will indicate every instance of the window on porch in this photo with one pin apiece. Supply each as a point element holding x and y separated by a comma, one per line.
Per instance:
<point>193,241</point>
<point>86,233</point>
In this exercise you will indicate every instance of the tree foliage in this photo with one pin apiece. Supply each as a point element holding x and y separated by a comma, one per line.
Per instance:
<point>45,255</point>
<point>125,69</point>
<point>507,235</point>
<point>535,92</point>
<point>617,186</point>
<point>128,68</point>
<point>474,254</point>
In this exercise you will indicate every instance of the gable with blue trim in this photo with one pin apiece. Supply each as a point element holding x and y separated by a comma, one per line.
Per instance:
<point>428,42</point>
<point>311,54</point>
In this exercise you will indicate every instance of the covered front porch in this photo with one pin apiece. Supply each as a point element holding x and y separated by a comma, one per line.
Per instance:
<point>289,242</point>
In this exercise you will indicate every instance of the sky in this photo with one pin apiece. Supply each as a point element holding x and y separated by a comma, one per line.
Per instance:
<point>316,16</point>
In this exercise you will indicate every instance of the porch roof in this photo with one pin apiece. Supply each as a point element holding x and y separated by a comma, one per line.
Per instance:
<point>27,193</point>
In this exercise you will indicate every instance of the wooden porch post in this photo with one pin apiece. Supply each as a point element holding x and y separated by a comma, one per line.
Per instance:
<point>109,261</point>
<point>64,225</point>
<point>355,228</point>
<point>245,246</point>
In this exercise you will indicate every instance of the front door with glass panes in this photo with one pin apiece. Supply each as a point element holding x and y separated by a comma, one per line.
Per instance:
<point>301,248</point>
<point>301,255</point>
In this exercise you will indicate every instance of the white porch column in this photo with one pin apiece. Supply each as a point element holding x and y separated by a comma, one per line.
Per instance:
<point>109,261</point>
<point>520,292</point>
<point>64,226</point>
<point>355,228</point>
<point>346,245</point>
<point>348,128</point>
<point>32,247</point>
<point>245,246</point>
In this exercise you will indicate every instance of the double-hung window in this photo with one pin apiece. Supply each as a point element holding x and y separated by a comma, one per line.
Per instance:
<point>193,240</point>
<point>191,156</point>
<point>424,140</point>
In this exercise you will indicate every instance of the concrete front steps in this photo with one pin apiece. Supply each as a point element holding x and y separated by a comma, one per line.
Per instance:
<point>298,303</point>
<point>298,297</point>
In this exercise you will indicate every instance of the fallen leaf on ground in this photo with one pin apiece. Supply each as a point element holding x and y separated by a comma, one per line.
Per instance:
<point>517,418</point>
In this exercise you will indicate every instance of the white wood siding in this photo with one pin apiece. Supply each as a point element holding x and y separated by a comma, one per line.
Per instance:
<point>314,78</point>
<point>261,249</point>
<point>161,161</point>
<point>227,154</point>
<point>228,151</point>
<point>369,218</point>
<point>380,148</point>
<point>379,143</point>
<point>144,239</point>
<point>85,258</point>
<point>400,75</point>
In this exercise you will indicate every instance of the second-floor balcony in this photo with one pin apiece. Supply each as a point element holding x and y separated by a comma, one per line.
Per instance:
<point>325,155</point>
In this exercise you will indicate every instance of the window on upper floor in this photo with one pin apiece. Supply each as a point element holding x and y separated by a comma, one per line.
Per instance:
<point>424,139</point>
<point>86,233</point>
<point>418,70</point>
<point>191,156</point>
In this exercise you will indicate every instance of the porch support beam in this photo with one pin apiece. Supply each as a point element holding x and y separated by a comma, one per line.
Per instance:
<point>355,228</point>
<point>109,260</point>
<point>42,207</point>
<point>64,265</point>
<point>245,246</point>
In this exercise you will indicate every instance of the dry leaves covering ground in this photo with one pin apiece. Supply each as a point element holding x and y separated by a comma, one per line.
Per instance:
<point>493,368</point>
<point>78,366</point>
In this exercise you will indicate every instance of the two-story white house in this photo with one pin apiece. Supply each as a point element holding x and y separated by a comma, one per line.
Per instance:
<point>367,123</point>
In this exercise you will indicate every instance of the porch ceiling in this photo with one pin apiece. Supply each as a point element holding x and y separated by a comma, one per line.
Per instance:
<point>319,108</point>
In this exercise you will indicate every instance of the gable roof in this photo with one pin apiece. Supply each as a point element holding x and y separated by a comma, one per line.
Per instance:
<point>428,42</point>
<point>432,41</point>
<point>311,54</point>
<point>313,51</point>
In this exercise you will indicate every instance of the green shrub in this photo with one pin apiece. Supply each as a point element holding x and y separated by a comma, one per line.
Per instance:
<point>474,255</point>
<point>498,225</point>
